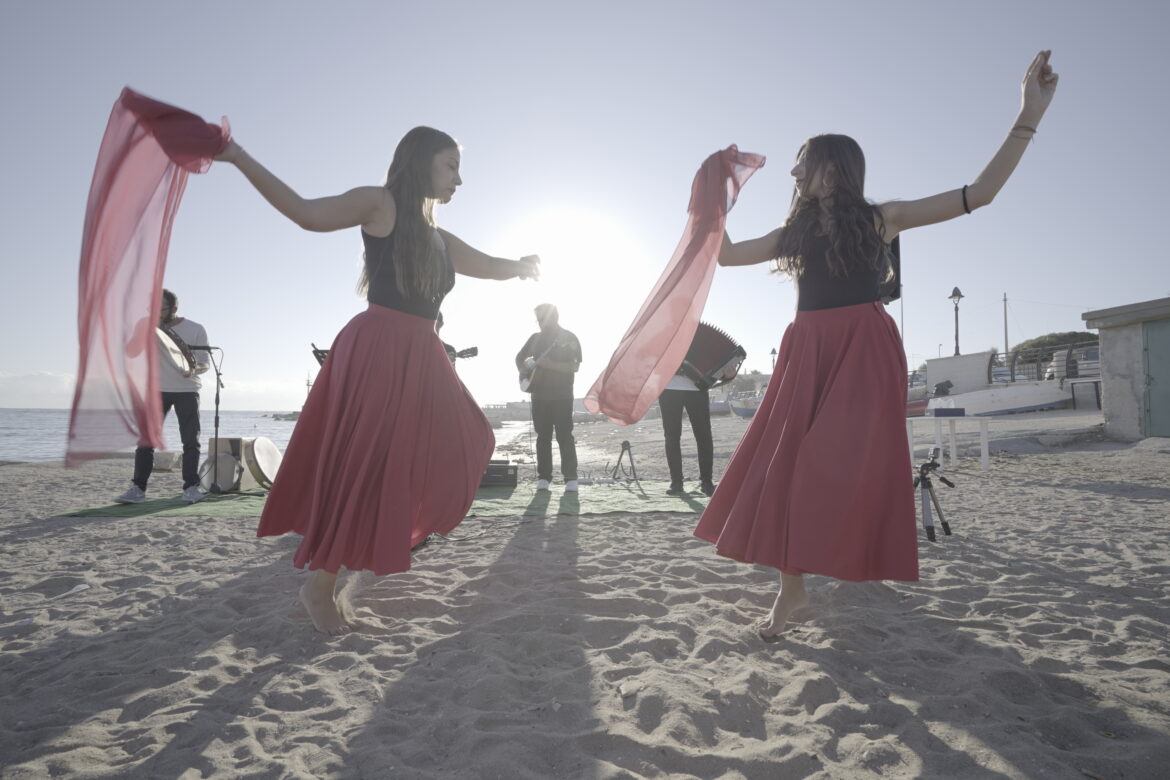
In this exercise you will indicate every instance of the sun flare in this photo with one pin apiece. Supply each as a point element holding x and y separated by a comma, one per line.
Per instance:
<point>590,262</point>
<point>595,268</point>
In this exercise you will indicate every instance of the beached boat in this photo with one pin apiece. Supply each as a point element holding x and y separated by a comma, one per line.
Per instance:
<point>745,407</point>
<point>1006,398</point>
<point>917,397</point>
<point>975,386</point>
<point>722,407</point>
<point>916,407</point>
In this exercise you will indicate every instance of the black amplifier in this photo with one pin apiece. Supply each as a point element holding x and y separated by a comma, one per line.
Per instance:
<point>500,472</point>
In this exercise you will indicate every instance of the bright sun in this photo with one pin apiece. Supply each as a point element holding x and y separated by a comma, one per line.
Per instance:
<point>594,268</point>
<point>591,264</point>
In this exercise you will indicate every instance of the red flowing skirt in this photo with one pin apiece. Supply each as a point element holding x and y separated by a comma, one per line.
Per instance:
<point>389,448</point>
<point>821,482</point>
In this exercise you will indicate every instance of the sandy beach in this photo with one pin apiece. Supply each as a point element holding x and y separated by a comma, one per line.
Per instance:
<point>602,646</point>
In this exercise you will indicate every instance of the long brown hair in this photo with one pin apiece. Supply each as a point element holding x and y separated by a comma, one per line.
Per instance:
<point>844,215</point>
<point>420,270</point>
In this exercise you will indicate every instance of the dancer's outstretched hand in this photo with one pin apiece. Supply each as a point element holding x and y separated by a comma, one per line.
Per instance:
<point>229,152</point>
<point>1039,84</point>
<point>529,268</point>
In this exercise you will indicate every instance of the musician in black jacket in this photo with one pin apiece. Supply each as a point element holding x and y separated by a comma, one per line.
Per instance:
<point>547,363</point>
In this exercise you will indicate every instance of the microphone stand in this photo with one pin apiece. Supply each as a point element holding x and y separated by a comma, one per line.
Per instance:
<point>214,454</point>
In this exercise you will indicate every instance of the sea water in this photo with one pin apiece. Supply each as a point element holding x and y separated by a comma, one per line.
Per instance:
<point>29,435</point>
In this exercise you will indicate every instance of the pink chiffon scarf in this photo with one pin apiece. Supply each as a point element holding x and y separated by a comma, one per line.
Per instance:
<point>147,151</point>
<point>657,341</point>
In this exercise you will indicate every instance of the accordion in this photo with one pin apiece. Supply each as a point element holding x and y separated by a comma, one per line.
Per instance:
<point>713,359</point>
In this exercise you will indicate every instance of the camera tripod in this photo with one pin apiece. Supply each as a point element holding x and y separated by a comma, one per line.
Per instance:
<point>619,466</point>
<point>922,481</point>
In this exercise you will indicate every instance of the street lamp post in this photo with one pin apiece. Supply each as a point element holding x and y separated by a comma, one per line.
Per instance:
<point>773,359</point>
<point>956,296</point>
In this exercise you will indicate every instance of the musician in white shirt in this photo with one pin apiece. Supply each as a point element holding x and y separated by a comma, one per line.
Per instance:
<point>180,389</point>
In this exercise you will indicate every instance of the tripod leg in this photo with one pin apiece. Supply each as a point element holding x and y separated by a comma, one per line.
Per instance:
<point>927,520</point>
<point>620,466</point>
<point>941,519</point>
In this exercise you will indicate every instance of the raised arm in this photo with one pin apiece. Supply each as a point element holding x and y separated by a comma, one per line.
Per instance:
<point>370,207</point>
<point>1037,89</point>
<point>750,252</point>
<point>469,261</point>
<point>202,356</point>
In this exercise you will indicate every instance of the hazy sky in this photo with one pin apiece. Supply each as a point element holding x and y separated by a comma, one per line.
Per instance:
<point>582,126</point>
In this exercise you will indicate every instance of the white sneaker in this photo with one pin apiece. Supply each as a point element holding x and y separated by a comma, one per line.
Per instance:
<point>571,486</point>
<point>542,484</point>
<point>193,495</point>
<point>135,495</point>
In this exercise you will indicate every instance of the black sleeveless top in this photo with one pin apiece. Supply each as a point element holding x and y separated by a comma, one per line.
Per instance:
<point>383,289</point>
<point>817,287</point>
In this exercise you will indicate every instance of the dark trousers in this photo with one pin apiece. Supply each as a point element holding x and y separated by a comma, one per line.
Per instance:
<point>549,417</point>
<point>671,403</point>
<point>187,411</point>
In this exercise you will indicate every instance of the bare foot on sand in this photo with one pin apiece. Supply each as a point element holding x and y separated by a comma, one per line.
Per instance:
<point>792,596</point>
<point>317,596</point>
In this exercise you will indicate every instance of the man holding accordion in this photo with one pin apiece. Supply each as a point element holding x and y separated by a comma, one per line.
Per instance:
<point>712,360</point>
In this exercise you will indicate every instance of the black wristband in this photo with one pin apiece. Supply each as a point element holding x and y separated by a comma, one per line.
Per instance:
<point>966,208</point>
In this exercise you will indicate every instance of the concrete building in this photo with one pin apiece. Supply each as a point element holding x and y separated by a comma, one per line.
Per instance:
<point>1135,368</point>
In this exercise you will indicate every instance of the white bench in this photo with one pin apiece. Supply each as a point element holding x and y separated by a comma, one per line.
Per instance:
<point>984,457</point>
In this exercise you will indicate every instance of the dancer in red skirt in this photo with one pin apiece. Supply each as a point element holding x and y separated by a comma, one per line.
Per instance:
<point>390,447</point>
<point>821,483</point>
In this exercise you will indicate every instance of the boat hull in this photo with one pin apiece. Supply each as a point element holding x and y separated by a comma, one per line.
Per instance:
<point>1006,399</point>
<point>916,407</point>
<point>745,410</point>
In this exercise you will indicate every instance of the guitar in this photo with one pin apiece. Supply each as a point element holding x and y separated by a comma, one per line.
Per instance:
<point>452,355</point>
<point>528,375</point>
<point>531,372</point>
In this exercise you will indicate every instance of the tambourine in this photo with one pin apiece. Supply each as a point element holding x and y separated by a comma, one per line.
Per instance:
<point>235,464</point>
<point>262,459</point>
<point>220,473</point>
